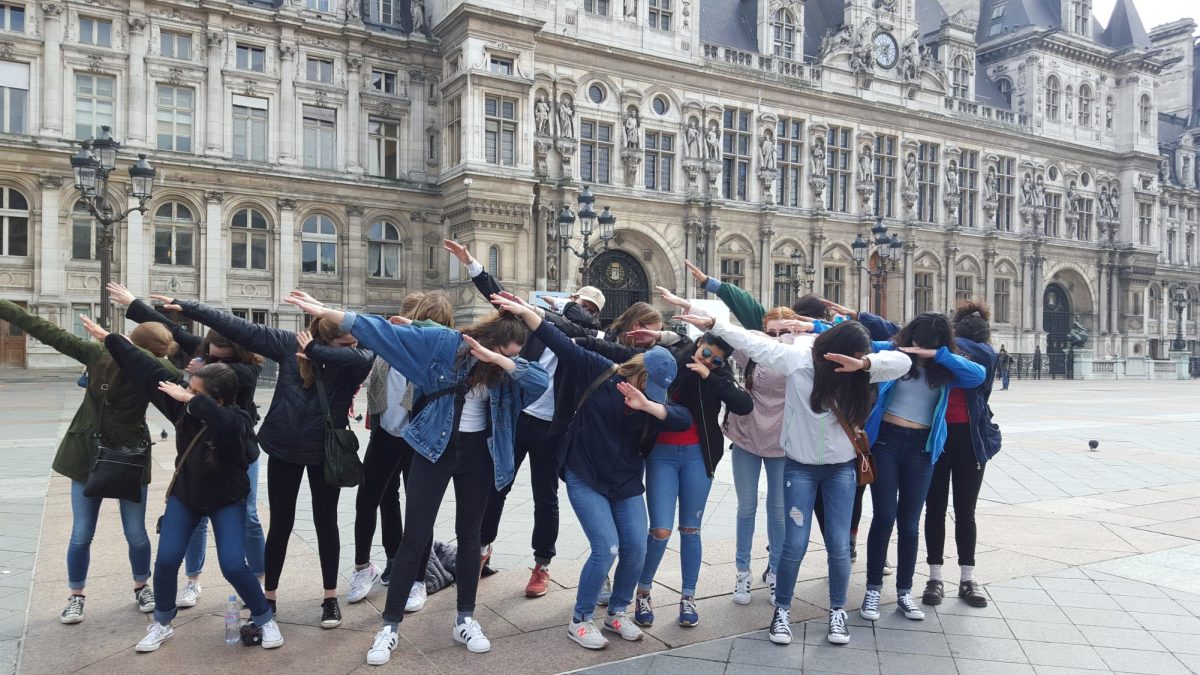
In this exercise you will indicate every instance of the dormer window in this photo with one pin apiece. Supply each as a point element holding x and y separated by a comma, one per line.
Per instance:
<point>783,31</point>
<point>1082,12</point>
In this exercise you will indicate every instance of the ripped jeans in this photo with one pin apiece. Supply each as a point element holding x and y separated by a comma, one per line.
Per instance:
<point>675,473</point>
<point>837,484</point>
<point>615,528</point>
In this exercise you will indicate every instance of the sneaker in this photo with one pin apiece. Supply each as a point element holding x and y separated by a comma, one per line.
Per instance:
<point>838,635</point>
<point>145,598</point>
<point>933,593</point>
<point>416,598</point>
<point>539,581</point>
<point>870,606</point>
<point>911,609</point>
<point>770,579</point>
<point>781,627</point>
<point>73,613</point>
<point>586,635</point>
<point>888,570</point>
<point>381,649</point>
<point>331,613</point>
<point>190,595</point>
<point>605,593</point>
<point>386,577</point>
<point>741,588</point>
<point>688,616</point>
<point>644,611</point>
<point>271,637</point>
<point>622,625</point>
<point>470,633</point>
<point>155,636</point>
<point>972,593</point>
<point>361,582</point>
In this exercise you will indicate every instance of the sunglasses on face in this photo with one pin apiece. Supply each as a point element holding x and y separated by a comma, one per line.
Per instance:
<point>776,333</point>
<point>716,360</point>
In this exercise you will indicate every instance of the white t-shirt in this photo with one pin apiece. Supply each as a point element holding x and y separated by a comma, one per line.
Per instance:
<point>543,408</point>
<point>395,417</point>
<point>476,409</point>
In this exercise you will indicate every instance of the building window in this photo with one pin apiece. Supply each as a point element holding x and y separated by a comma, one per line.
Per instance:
<point>1153,304</point>
<point>923,292</point>
<point>1171,247</point>
<point>886,154</point>
<point>175,118</point>
<point>838,159</point>
<point>597,7</point>
<point>454,131</point>
<point>1004,86</point>
<point>383,148</point>
<point>500,66</point>
<point>318,245</point>
<point>500,130</point>
<point>84,237</point>
<point>383,81</point>
<point>1083,13</point>
<point>96,32</point>
<point>174,235</point>
<point>14,97</point>
<point>1086,216</point>
<point>14,223</point>
<point>1189,244</point>
<point>385,12</point>
<point>95,104</point>
<point>258,316</point>
<point>1002,302</point>
<point>1006,180</point>
<point>318,5</point>
<point>964,288</point>
<point>1145,220</point>
<point>77,328</point>
<point>248,240</point>
<point>1136,304</point>
<point>596,94</point>
<point>1145,114</point>
<point>660,105</point>
<point>318,70</point>
<point>493,259</point>
<point>383,251</point>
<point>789,160</point>
<point>1085,105</point>
<point>927,182</point>
<point>1053,214</point>
<point>251,58</point>
<point>783,31</point>
<point>835,283</point>
<point>12,18</point>
<point>732,272</point>
<point>175,45</point>
<point>1053,94</point>
<point>595,152</point>
<point>736,140</point>
<point>249,128</point>
<point>320,137</point>
<point>660,160</point>
<point>968,187</point>
<point>960,76</point>
<point>660,14</point>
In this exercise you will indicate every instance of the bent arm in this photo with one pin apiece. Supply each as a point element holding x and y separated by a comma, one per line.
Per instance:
<point>966,373</point>
<point>405,348</point>
<point>582,366</point>
<point>889,365</point>
<point>744,307</point>
<point>273,343</point>
<point>143,312</point>
<point>145,372</point>
<point>775,355</point>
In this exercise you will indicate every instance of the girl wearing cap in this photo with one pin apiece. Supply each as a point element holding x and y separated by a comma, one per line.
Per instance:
<point>603,471</point>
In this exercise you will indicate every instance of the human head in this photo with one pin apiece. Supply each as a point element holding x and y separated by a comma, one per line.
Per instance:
<point>435,307</point>
<point>1003,350</point>
<point>812,306</point>
<point>640,315</point>
<point>849,393</point>
<point>712,351</point>
<point>591,298</point>
<point>660,373</point>
<point>154,338</point>
<point>773,318</point>
<point>217,347</point>
<point>930,330</point>
<point>217,381</point>
<point>326,332</point>
<point>970,321</point>
<point>502,333</point>
<point>409,303</point>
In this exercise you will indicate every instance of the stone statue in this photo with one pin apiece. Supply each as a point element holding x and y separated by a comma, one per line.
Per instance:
<point>818,167</point>
<point>1028,194</point>
<point>631,9</point>
<point>766,152</point>
<point>1108,118</point>
<point>352,10</point>
<point>952,178</point>
<point>910,57</point>
<point>1103,203</point>
<point>541,116</point>
<point>1114,203</point>
<point>693,148</point>
<point>633,130</point>
<point>1164,169</point>
<point>1073,198</point>
<point>862,52</point>
<point>866,165</point>
<point>712,143</point>
<point>417,9</point>
<point>1077,337</point>
<point>566,118</point>
<point>1039,192</point>
<point>910,172</point>
<point>990,185</point>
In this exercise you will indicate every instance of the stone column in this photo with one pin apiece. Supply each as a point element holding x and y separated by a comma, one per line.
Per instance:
<point>1036,292</point>
<point>951,262</point>
<point>910,282</point>
<point>354,259</point>
<point>287,105</point>
<point>691,236</point>
<point>52,72</point>
<point>1027,286</point>
<point>353,115</point>
<point>213,282</point>
<point>137,104</point>
<point>135,267</point>
<point>214,143</point>
<point>766,276</point>
<point>1102,313</point>
<point>50,262</point>
<point>818,260</point>
<point>1114,308</point>
<point>989,277</point>
<point>285,261</point>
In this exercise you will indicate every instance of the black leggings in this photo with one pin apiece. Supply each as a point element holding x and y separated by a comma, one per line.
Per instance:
<point>533,438</point>
<point>856,516</point>
<point>387,457</point>
<point>283,487</point>
<point>957,463</point>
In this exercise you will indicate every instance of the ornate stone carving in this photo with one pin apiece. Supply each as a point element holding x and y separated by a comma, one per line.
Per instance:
<point>633,129</point>
<point>137,24</point>
<point>354,63</point>
<point>215,39</point>
<point>566,118</point>
<point>567,147</point>
<point>712,142</point>
<point>287,51</point>
<point>95,63</point>
<point>991,198</point>
<point>214,196</point>
<point>6,50</point>
<point>416,9</point>
<point>768,158</point>
<point>693,147</point>
<point>541,117</point>
<point>286,203</point>
<point>52,10</point>
<point>175,76</point>
<point>632,159</point>
<point>355,211</point>
<point>51,181</point>
<point>541,148</point>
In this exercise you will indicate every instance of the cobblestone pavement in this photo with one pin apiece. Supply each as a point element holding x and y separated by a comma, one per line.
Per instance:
<point>1091,561</point>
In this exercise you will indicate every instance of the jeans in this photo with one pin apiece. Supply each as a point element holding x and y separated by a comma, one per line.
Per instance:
<point>1004,376</point>
<point>229,529</point>
<point>532,438</point>
<point>836,485</point>
<point>255,540</point>
<point>283,486</point>
<point>746,469</point>
<point>957,463</point>
<point>819,512</point>
<point>85,511</point>
<point>902,475</point>
<point>614,528</point>
<point>386,460</point>
<point>675,473</point>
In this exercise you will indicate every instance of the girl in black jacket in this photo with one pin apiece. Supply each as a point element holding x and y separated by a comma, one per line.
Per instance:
<point>212,441</point>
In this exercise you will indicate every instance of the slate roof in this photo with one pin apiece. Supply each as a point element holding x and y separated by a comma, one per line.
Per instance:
<point>730,23</point>
<point>1125,27</point>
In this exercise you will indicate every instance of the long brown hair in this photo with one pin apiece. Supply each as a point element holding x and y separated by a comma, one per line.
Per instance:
<point>240,353</point>
<point>638,313</point>
<point>434,307</point>
<point>323,331</point>
<point>494,332</point>
<point>849,393</point>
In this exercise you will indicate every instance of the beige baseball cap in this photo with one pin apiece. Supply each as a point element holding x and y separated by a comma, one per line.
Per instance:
<point>592,295</point>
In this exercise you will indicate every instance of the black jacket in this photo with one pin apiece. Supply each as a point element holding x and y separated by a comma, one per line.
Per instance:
<point>214,474</point>
<point>985,434</point>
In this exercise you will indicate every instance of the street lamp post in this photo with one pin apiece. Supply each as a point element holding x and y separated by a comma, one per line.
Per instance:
<point>801,276</point>
<point>887,250</point>
<point>92,166</point>
<point>1178,344</point>
<point>587,217</point>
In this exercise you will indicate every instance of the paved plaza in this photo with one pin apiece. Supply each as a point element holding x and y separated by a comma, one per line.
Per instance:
<point>1091,559</point>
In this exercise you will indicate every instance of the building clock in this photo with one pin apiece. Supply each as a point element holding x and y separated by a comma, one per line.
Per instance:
<point>887,50</point>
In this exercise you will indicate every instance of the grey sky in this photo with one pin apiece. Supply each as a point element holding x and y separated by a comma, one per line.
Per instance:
<point>1153,12</point>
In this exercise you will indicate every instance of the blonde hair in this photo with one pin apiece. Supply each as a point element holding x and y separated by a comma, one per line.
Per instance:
<point>434,307</point>
<point>634,372</point>
<point>779,314</point>
<point>410,303</point>
<point>154,338</point>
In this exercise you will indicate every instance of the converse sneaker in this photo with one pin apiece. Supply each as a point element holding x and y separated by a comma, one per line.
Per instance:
<point>870,606</point>
<point>688,616</point>
<point>361,582</point>
<point>838,635</point>
<point>271,637</point>
<point>416,598</point>
<point>381,649</point>
<point>470,633</point>
<point>911,609</point>
<point>156,634</point>
<point>586,635</point>
<point>622,625</point>
<point>888,570</point>
<point>145,598</point>
<point>73,613</point>
<point>331,613</point>
<point>190,595</point>
<point>605,593</point>
<point>741,588</point>
<point>933,593</point>
<point>386,577</point>
<point>781,627</point>
<point>539,581</point>
<point>643,614</point>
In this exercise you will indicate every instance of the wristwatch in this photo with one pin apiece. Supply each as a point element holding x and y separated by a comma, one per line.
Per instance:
<point>866,364</point>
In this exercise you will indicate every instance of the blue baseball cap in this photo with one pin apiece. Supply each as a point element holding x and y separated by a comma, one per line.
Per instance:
<point>660,373</point>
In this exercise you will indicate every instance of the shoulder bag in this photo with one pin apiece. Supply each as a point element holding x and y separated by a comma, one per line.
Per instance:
<point>343,468</point>
<point>864,463</point>
<point>117,470</point>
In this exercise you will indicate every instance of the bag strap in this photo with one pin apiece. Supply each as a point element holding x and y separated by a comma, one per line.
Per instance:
<point>183,460</point>
<point>855,435</point>
<point>600,379</point>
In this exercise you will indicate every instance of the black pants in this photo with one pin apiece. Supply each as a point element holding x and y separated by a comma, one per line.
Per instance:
<point>468,463</point>
<point>283,486</point>
<point>856,516</point>
<point>533,438</point>
<point>386,459</point>
<point>957,463</point>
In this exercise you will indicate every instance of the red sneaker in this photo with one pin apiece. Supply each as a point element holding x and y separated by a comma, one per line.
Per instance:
<point>539,581</point>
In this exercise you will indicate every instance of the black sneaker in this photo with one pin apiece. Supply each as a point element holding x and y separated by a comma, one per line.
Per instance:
<point>972,593</point>
<point>331,613</point>
<point>933,593</point>
<point>781,630</point>
<point>386,577</point>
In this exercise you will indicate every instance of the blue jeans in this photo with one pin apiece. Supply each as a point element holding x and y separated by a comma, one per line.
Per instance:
<point>675,473</point>
<point>614,528</point>
<point>746,469</point>
<point>255,541</point>
<point>229,528</point>
<point>837,484</point>
<point>85,511</point>
<point>1004,376</point>
<point>902,476</point>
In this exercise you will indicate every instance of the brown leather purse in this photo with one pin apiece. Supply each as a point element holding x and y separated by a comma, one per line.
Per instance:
<point>864,462</point>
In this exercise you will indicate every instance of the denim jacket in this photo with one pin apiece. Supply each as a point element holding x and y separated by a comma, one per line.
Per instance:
<point>429,358</point>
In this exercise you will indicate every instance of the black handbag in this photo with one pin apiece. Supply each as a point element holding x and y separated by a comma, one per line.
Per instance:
<point>117,470</point>
<point>343,468</point>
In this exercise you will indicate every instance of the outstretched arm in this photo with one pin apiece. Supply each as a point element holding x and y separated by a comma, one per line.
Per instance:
<point>581,365</point>
<point>60,340</point>
<point>273,343</point>
<point>143,312</point>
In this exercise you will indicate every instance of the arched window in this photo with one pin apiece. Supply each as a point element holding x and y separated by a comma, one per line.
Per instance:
<point>84,234</point>
<point>960,74</point>
<point>1085,105</point>
<point>1153,302</point>
<point>494,261</point>
<point>1005,87</point>
<point>14,223</point>
<point>1144,113</point>
<point>248,240</point>
<point>174,235</point>
<point>783,29</point>
<point>383,251</point>
<point>1053,96</point>
<point>318,245</point>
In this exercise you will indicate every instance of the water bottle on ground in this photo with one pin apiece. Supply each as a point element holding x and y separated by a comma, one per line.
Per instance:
<point>233,621</point>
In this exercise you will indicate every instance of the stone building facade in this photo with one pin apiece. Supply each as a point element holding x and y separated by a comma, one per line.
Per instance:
<point>1016,147</point>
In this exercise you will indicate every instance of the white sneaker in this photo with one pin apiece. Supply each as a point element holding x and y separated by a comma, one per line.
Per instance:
<point>271,637</point>
<point>586,635</point>
<point>741,588</point>
<point>622,625</point>
<point>362,581</point>
<point>888,570</point>
<point>73,612</point>
<point>870,606</point>
<point>190,595</point>
<point>911,609</point>
<point>145,598</point>
<point>838,635</point>
<point>155,636</point>
<point>605,593</point>
<point>771,583</point>
<point>781,627</point>
<point>470,633</point>
<point>381,649</point>
<point>416,598</point>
